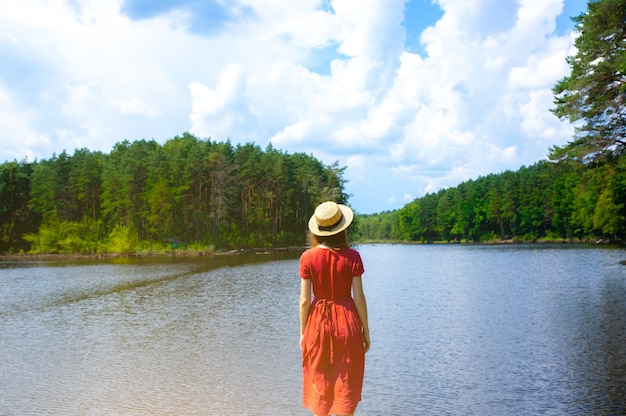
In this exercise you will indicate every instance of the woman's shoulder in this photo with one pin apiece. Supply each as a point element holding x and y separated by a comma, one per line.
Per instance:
<point>309,252</point>
<point>351,252</point>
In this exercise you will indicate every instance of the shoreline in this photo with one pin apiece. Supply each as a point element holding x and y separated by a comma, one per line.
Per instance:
<point>148,254</point>
<point>5,257</point>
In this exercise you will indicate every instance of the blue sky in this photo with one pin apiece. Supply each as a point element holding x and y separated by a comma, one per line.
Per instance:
<point>412,96</point>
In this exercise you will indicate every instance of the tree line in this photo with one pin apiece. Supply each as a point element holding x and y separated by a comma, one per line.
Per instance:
<point>563,201</point>
<point>144,195</point>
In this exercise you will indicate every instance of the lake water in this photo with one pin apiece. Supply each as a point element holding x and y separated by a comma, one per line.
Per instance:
<point>456,330</point>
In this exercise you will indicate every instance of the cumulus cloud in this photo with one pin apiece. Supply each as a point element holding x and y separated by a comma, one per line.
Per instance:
<point>135,106</point>
<point>483,92</point>
<point>224,111</point>
<point>16,133</point>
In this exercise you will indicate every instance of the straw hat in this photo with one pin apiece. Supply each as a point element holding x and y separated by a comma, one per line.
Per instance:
<point>330,219</point>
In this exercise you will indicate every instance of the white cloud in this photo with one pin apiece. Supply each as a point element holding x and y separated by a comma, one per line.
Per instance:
<point>17,138</point>
<point>483,94</point>
<point>507,155</point>
<point>135,106</point>
<point>543,67</point>
<point>225,111</point>
<point>357,167</point>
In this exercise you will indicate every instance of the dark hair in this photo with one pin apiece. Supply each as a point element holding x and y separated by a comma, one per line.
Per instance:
<point>335,242</point>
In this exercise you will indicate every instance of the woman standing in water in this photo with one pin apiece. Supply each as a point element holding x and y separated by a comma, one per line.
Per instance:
<point>334,333</point>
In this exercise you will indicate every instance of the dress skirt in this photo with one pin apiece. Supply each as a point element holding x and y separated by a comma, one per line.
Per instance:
<point>333,358</point>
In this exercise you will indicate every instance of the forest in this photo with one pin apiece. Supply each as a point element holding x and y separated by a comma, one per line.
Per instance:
<point>549,201</point>
<point>188,192</point>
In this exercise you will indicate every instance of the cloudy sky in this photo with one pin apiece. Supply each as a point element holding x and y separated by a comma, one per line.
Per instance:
<point>411,95</point>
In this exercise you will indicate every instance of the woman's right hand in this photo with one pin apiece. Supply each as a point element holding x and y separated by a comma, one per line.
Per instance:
<point>366,340</point>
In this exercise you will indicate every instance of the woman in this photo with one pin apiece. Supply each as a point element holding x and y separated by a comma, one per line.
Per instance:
<point>334,333</point>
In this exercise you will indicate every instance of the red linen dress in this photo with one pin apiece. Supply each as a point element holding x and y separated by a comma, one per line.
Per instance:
<point>333,355</point>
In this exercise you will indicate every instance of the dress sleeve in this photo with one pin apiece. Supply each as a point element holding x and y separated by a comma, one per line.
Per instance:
<point>357,265</point>
<point>304,271</point>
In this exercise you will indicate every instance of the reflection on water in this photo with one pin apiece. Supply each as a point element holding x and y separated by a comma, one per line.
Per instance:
<point>456,330</point>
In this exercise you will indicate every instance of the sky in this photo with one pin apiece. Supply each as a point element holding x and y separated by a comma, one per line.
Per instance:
<point>411,96</point>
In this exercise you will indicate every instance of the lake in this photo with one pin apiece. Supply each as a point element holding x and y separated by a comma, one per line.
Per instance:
<point>456,330</point>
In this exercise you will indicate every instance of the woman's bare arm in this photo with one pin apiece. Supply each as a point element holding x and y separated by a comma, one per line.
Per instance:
<point>361,308</point>
<point>305,304</point>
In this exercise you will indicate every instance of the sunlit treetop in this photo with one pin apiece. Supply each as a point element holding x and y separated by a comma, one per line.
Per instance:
<point>594,93</point>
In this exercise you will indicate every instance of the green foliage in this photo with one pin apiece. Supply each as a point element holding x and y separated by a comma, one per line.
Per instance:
<point>606,216</point>
<point>546,201</point>
<point>16,216</point>
<point>66,237</point>
<point>595,90</point>
<point>143,195</point>
<point>122,239</point>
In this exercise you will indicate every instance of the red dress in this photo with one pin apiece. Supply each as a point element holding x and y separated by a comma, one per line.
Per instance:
<point>333,355</point>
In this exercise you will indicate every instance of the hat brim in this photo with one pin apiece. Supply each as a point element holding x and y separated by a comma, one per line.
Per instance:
<point>346,219</point>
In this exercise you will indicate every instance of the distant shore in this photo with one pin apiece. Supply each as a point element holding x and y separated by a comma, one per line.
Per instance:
<point>496,242</point>
<point>146,254</point>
